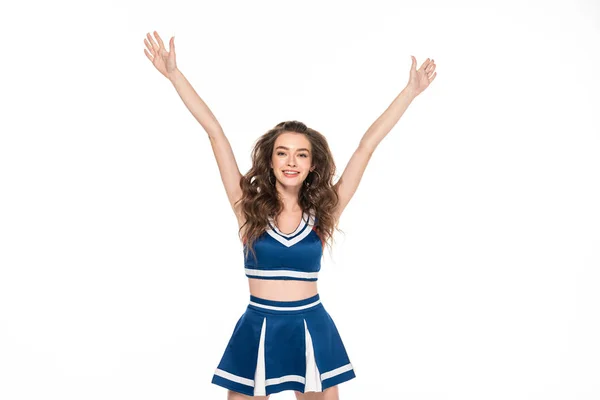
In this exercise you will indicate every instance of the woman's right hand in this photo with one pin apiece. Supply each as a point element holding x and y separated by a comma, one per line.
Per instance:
<point>163,60</point>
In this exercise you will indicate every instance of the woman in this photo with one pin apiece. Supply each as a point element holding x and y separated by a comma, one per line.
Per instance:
<point>287,208</point>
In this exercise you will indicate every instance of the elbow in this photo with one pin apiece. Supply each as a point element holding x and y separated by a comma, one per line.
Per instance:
<point>366,147</point>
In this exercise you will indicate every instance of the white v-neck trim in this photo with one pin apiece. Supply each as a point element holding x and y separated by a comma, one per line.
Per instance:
<point>307,219</point>
<point>301,225</point>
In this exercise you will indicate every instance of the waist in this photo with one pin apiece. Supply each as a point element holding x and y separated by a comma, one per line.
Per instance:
<point>282,290</point>
<point>285,307</point>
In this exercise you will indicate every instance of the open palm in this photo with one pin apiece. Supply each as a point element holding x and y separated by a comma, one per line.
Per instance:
<point>163,60</point>
<point>420,79</point>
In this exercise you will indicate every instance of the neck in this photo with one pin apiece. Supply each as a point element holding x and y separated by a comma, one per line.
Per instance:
<point>289,198</point>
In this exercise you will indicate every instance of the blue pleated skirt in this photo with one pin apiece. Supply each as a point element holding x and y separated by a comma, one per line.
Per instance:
<point>283,345</point>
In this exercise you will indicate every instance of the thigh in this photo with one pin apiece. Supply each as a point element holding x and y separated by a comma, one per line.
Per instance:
<point>231,395</point>
<point>330,393</point>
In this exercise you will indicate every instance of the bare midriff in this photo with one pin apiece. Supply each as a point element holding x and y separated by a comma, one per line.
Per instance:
<point>282,290</point>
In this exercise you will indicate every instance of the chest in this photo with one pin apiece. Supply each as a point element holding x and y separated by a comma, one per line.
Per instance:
<point>299,244</point>
<point>288,223</point>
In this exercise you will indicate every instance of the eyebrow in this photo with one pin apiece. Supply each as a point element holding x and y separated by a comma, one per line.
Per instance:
<point>283,147</point>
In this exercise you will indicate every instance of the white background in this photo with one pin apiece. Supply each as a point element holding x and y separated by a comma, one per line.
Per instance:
<point>469,267</point>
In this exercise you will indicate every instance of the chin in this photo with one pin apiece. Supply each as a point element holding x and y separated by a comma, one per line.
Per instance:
<point>288,182</point>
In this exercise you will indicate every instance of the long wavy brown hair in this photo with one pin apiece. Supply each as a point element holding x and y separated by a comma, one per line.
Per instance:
<point>260,199</point>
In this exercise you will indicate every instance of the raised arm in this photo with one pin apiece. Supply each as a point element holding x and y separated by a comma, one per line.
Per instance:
<point>348,183</point>
<point>165,62</point>
<point>228,168</point>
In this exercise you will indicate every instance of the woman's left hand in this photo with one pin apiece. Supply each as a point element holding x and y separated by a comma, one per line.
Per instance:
<point>420,79</point>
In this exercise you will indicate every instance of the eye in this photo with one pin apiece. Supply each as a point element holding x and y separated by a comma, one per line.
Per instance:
<point>280,153</point>
<point>304,155</point>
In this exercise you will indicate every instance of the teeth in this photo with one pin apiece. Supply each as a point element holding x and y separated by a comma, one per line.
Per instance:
<point>290,173</point>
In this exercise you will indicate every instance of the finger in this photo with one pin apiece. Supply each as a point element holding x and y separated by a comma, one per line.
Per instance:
<point>172,44</point>
<point>433,77</point>
<point>424,65</point>
<point>160,42</point>
<point>429,64</point>
<point>154,45</point>
<point>149,46</point>
<point>148,55</point>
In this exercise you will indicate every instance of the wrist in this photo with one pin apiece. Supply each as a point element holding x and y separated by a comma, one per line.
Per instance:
<point>173,76</point>
<point>410,92</point>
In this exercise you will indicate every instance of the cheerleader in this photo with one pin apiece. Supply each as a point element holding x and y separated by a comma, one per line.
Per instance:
<point>287,208</point>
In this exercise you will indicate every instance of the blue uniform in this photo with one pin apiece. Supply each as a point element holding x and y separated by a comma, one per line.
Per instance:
<point>294,256</point>
<point>284,345</point>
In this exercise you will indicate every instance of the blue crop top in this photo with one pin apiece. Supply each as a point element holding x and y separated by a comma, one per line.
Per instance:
<point>294,256</point>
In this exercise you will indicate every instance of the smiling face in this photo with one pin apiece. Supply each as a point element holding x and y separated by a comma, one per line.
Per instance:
<point>291,152</point>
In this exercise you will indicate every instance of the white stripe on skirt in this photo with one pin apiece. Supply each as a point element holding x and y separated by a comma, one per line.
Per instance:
<point>259,375</point>
<point>234,378</point>
<point>313,382</point>
<point>336,372</point>
<point>285,308</point>
<point>287,378</point>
